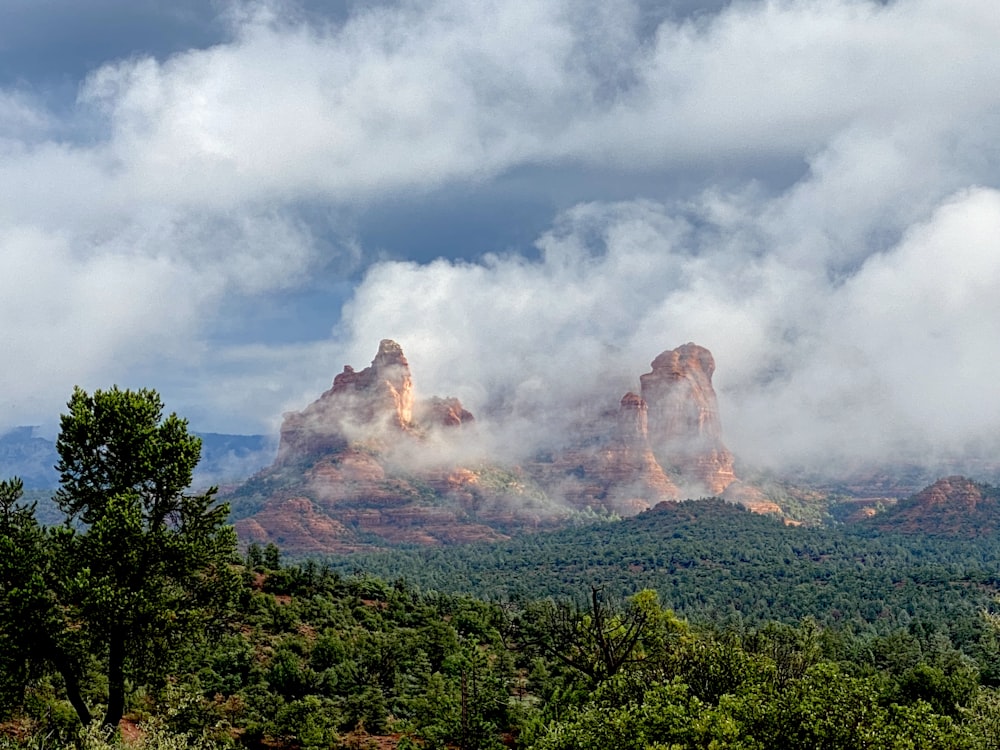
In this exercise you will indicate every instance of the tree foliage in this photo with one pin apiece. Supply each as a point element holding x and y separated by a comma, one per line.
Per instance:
<point>767,637</point>
<point>316,660</point>
<point>138,569</point>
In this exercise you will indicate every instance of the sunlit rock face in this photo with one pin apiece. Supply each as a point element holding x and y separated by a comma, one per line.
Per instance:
<point>375,403</point>
<point>383,393</point>
<point>685,432</point>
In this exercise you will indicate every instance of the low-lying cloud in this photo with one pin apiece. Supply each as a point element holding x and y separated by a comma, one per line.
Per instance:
<point>850,301</point>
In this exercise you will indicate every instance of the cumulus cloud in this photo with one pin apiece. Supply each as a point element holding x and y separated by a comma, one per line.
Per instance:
<point>894,362</point>
<point>849,303</point>
<point>409,96</point>
<point>21,118</point>
<point>904,357</point>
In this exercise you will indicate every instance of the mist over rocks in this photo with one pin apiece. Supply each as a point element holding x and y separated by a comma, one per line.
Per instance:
<point>665,444</point>
<point>685,429</point>
<point>376,403</point>
<point>443,412</point>
<point>385,467</point>
<point>612,466</point>
<point>369,464</point>
<point>632,456</point>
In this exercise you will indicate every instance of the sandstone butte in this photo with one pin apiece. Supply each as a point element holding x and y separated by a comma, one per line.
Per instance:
<point>366,464</point>
<point>685,430</point>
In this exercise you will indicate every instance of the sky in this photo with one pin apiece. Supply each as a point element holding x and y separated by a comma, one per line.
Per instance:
<point>229,201</point>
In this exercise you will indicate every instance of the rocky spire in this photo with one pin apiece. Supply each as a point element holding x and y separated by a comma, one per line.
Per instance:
<point>633,421</point>
<point>375,405</point>
<point>631,467</point>
<point>380,394</point>
<point>375,402</point>
<point>685,432</point>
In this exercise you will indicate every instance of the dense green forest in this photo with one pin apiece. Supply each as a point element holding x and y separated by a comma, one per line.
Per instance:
<point>715,562</point>
<point>308,658</point>
<point>697,625</point>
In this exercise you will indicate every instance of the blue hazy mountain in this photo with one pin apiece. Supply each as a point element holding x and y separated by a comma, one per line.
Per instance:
<point>224,458</point>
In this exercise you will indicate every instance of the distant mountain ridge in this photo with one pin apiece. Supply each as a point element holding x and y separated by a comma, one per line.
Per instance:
<point>25,454</point>
<point>224,458</point>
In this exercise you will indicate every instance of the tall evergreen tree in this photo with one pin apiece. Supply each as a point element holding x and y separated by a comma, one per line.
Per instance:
<point>140,567</point>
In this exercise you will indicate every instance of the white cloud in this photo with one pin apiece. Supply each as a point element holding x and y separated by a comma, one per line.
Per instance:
<point>918,326</point>
<point>897,361</point>
<point>21,119</point>
<point>119,244</point>
<point>414,96</point>
<point>89,309</point>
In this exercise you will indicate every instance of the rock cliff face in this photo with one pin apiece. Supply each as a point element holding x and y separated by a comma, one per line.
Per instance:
<point>374,403</point>
<point>613,469</point>
<point>369,464</point>
<point>662,444</point>
<point>685,431</point>
<point>634,475</point>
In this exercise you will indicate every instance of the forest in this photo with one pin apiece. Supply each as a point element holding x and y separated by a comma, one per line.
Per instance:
<point>716,562</point>
<point>138,623</point>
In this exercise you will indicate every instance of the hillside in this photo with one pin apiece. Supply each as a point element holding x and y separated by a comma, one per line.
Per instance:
<point>953,507</point>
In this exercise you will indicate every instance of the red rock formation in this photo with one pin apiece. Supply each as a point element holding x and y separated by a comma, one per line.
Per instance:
<point>633,421</point>
<point>360,465</point>
<point>357,460</point>
<point>951,493</point>
<point>636,480</point>
<point>685,431</point>
<point>374,403</point>
<point>613,468</point>
<point>295,523</point>
<point>953,506</point>
<point>382,392</point>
